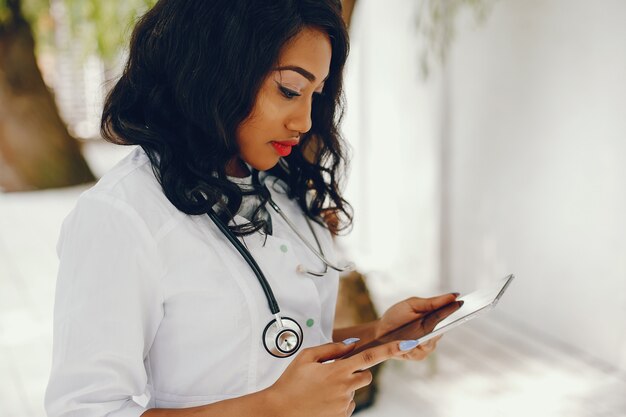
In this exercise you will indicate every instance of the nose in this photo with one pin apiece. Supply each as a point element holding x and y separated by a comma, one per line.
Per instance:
<point>300,119</point>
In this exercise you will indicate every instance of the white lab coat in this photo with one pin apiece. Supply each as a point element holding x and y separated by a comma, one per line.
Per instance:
<point>155,308</point>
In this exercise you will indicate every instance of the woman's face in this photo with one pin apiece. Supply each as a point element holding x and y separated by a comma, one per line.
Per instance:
<point>282,109</point>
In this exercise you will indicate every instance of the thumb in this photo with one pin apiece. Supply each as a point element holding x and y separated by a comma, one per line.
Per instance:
<point>424,305</point>
<point>331,351</point>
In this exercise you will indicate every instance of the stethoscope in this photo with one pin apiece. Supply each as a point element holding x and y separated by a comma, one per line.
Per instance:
<point>282,336</point>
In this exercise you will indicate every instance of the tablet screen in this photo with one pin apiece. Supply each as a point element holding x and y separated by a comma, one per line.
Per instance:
<point>445,318</point>
<point>474,303</point>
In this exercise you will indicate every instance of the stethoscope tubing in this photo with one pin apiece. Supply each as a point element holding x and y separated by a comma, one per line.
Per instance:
<point>267,289</point>
<point>281,331</point>
<point>320,254</point>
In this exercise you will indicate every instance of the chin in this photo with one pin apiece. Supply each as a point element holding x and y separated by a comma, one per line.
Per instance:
<point>264,165</point>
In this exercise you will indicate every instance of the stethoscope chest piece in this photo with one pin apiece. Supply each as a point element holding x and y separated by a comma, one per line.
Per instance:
<point>282,337</point>
<point>282,341</point>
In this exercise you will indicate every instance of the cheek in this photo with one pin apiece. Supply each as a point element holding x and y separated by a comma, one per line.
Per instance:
<point>268,112</point>
<point>245,133</point>
<point>250,128</point>
<point>263,125</point>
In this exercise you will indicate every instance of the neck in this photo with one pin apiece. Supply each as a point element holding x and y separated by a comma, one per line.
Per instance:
<point>237,168</point>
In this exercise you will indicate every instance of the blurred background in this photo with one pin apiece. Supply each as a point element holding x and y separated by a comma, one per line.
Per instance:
<point>488,137</point>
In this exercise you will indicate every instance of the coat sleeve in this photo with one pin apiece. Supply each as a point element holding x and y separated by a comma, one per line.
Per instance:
<point>108,307</point>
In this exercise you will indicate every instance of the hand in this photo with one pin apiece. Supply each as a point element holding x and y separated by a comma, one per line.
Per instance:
<point>408,310</point>
<point>311,388</point>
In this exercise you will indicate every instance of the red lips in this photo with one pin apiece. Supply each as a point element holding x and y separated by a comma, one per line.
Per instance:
<point>283,148</point>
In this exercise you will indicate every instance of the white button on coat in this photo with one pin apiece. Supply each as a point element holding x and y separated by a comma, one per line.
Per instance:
<point>155,308</point>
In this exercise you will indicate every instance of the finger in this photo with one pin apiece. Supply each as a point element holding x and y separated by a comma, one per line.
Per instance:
<point>430,345</point>
<point>327,351</point>
<point>419,353</point>
<point>351,408</point>
<point>424,305</point>
<point>434,317</point>
<point>361,379</point>
<point>372,356</point>
<point>423,350</point>
<point>415,355</point>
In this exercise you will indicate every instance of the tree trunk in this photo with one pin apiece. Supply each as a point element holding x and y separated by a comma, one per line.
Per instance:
<point>348,8</point>
<point>36,149</point>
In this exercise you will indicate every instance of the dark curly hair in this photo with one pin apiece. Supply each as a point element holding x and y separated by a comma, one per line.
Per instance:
<point>194,70</point>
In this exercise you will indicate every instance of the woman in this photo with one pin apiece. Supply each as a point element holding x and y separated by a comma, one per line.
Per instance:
<point>234,105</point>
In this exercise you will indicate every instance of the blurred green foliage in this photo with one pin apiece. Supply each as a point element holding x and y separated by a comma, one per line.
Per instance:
<point>102,26</point>
<point>436,22</point>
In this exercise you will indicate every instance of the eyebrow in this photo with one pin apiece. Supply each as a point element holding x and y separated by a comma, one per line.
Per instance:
<point>306,74</point>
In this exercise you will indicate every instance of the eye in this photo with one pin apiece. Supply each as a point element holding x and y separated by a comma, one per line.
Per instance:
<point>289,94</point>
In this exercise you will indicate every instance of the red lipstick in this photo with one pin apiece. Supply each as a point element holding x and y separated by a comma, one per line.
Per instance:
<point>283,148</point>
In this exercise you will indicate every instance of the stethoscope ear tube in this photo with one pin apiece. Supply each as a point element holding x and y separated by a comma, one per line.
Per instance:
<point>269,294</point>
<point>320,255</point>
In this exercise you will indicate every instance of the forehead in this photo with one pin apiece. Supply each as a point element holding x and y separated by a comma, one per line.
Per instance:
<point>309,49</point>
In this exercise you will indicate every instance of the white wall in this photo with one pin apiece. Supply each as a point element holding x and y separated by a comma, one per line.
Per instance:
<point>536,168</point>
<point>392,123</point>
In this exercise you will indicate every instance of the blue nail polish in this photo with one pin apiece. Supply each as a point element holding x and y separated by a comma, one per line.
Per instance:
<point>350,341</point>
<point>407,345</point>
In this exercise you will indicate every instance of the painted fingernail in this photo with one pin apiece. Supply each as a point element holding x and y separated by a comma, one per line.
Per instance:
<point>456,294</point>
<point>351,341</point>
<point>407,345</point>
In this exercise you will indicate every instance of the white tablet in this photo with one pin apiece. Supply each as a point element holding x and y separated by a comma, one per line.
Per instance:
<point>474,304</point>
<point>439,321</point>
